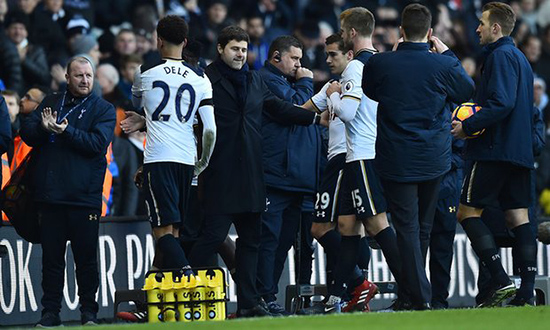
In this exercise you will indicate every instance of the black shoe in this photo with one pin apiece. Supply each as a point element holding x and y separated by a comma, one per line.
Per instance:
<point>399,305</point>
<point>49,320</point>
<point>3,250</point>
<point>422,307</point>
<point>499,295</point>
<point>519,301</point>
<point>322,308</point>
<point>256,311</point>
<point>274,308</point>
<point>88,318</point>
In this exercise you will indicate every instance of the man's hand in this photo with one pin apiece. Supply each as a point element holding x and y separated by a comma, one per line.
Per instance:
<point>59,128</point>
<point>138,177</point>
<point>334,87</point>
<point>133,122</point>
<point>303,73</point>
<point>457,130</point>
<point>438,45</point>
<point>199,167</point>
<point>47,118</point>
<point>400,40</point>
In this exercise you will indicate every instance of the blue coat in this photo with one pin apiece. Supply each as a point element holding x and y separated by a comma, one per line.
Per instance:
<point>291,153</point>
<point>415,90</point>
<point>505,93</point>
<point>70,169</point>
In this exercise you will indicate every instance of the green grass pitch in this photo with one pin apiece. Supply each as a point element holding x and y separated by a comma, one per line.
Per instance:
<point>522,318</point>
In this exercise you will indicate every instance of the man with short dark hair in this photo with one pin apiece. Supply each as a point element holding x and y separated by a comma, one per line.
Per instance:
<point>415,88</point>
<point>232,188</point>
<point>70,133</point>
<point>291,165</point>
<point>171,92</point>
<point>502,156</point>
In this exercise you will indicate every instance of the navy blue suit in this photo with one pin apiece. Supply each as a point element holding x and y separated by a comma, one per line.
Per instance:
<point>415,90</point>
<point>291,159</point>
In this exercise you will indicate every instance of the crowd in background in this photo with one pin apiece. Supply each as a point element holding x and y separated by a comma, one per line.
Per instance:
<point>38,37</point>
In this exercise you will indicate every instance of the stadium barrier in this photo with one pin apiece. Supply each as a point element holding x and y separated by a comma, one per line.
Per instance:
<point>126,250</point>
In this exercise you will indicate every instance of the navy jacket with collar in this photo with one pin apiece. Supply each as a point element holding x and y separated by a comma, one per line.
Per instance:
<point>234,181</point>
<point>415,89</point>
<point>505,93</point>
<point>70,168</point>
<point>290,152</point>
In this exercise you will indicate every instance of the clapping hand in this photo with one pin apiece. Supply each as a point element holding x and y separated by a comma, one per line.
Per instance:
<point>49,122</point>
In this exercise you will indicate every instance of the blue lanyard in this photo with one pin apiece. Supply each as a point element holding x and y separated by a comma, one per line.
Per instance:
<point>59,120</point>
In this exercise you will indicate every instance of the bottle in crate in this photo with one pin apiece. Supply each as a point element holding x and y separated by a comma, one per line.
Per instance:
<point>183,296</point>
<point>215,296</point>
<point>154,299</point>
<point>199,295</point>
<point>167,288</point>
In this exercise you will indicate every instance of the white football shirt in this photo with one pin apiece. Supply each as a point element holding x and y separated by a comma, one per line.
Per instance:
<point>336,129</point>
<point>171,93</point>
<point>361,130</point>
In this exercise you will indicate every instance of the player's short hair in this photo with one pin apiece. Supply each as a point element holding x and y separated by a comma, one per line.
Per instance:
<point>8,92</point>
<point>282,44</point>
<point>232,32</point>
<point>502,14</point>
<point>80,59</point>
<point>172,29</point>
<point>336,38</point>
<point>416,21</point>
<point>359,18</point>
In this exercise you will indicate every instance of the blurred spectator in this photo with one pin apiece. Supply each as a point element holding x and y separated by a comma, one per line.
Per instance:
<point>10,64</point>
<point>109,12</point>
<point>3,12</point>
<point>34,64</point>
<point>27,6</point>
<point>277,17</point>
<point>529,14</point>
<point>12,102</point>
<point>258,46</point>
<point>205,28</point>
<point>128,66</point>
<point>540,96</point>
<point>543,16</point>
<point>83,8</point>
<point>145,17</point>
<point>48,23</point>
<point>108,78</point>
<point>470,66</point>
<point>531,47</point>
<point>327,11</point>
<point>86,44</point>
<point>144,42</point>
<point>77,26</point>
<point>128,152</point>
<point>125,44</point>
<point>314,52</point>
<point>544,61</point>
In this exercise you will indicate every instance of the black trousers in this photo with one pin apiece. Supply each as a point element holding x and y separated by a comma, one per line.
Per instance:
<point>441,249</point>
<point>412,208</point>
<point>80,226</point>
<point>214,231</point>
